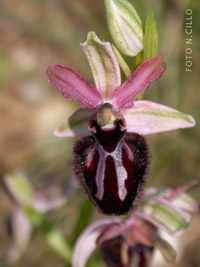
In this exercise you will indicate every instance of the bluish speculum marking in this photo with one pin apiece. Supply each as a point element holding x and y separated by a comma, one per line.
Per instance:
<point>120,170</point>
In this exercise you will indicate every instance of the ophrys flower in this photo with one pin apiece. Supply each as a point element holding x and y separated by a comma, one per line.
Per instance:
<point>112,160</point>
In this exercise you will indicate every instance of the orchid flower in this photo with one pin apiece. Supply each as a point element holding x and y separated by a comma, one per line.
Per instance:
<point>111,162</point>
<point>142,116</point>
<point>25,196</point>
<point>131,242</point>
<point>43,200</point>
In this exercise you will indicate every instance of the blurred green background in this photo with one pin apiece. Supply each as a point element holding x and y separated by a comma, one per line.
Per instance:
<point>38,33</point>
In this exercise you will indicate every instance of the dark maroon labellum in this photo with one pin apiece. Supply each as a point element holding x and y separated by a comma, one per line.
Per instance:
<point>111,164</point>
<point>117,252</point>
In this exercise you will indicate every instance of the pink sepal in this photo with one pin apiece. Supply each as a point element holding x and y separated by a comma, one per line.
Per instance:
<point>86,243</point>
<point>147,117</point>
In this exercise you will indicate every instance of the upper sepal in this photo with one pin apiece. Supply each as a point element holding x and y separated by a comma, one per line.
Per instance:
<point>103,64</point>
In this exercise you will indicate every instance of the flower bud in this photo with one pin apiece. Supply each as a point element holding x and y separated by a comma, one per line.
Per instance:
<point>125,26</point>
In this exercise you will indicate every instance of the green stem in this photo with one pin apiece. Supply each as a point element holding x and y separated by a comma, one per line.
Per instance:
<point>52,234</point>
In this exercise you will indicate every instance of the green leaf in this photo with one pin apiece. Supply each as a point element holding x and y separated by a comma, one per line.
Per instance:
<point>85,214</point>
<point>151,38</point>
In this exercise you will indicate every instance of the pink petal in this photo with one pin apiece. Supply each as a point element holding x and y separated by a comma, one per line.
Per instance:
<point>148,118</point>
<point>149,71</point>
<point>182,200</point>
<point>149,191</point>
<point>86,243</point>
<point>186,203</point>
<point>76,125</point>
<point>139,232</point>
<point>72,86</point>
<point>180,190</point>
<point>43,204</point>
<point>132,231</point>
<point>21,230</point>
<point>111,231</point>
<point>45,200</point>
<point>177,197</point>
